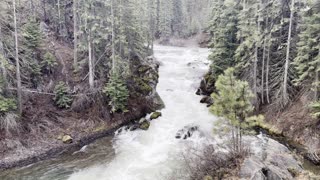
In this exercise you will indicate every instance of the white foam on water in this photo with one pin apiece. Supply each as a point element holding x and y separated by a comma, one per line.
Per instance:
<point>155,153</point>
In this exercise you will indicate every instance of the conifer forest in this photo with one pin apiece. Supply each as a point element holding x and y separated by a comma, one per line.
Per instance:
<point>159,89</point>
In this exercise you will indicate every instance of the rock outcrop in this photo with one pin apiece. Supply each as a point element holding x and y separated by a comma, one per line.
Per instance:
<point>271,161</point>
<point>207,100</point>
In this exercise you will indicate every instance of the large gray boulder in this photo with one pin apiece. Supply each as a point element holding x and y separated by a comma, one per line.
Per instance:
<point>273,161</point>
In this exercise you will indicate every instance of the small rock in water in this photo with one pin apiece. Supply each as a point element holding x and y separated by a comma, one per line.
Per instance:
<point>119,131</point>
<point>198,92</point>
<point>134,127</point>
<point>155,115</point>
<point>142,120</point>
<point>207,100</point>
<point>127,128</point>
<point>145,125</point>
<point>67,139</point>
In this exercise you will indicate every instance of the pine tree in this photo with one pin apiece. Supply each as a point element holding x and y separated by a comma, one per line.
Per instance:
<point>307,61</point>
<point>31,44</point>
<point>224,42</point>
<point>232,102</point>
<point>116,89</point>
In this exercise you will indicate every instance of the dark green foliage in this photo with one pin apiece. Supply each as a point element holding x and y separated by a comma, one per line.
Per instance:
<point>224,42</point>
<point>116,89</point>
<point>142,85</point>
<point>34,70</point>
<point>62,98</point>
<point>307,61</point>
<point>32,35</point>
<point>49,63</point>
<point>7,105</point>
<point>31,45</point>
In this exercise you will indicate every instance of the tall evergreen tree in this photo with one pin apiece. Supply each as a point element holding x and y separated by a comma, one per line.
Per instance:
<point>307,61</point>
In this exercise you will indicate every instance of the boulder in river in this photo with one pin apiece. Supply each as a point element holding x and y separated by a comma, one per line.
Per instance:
<point>67,139</point>
<point>186,132</point>
<point>207,100</point>
<point>206,85</point>
<point>144,125</point>
<point>155,115</point>
<point>198,92</point>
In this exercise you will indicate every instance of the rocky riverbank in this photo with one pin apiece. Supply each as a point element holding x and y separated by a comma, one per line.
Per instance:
<point>86,121</point>
<point>293,127</point>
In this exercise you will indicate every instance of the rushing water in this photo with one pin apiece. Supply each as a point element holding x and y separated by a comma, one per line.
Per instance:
<point>142,155</point>
<point>153,154</point>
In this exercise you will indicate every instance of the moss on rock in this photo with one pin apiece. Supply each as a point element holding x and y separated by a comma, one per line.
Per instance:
<point>144,125</point>
<point>155,115</point>
<point>143,86</point>
<point>143,68</point>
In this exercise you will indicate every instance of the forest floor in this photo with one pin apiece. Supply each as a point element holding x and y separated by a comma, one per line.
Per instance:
<point>296,124</point>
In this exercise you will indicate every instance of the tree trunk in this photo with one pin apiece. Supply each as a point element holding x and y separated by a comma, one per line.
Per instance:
<point>44,10</point>
<point>255,65</point>
<point>113,37</point>
<point>285,95</point>
<point>158,20</point>
<point>3,68</point>
<point>233,139</point>
<point>316,94</point>
<point>59,16</point>
<point>91,74</point>
<point>267,73</point>
<point>316,91</point>
<point>263,67</point>
<point>75,34</point>
<point>19,92</point>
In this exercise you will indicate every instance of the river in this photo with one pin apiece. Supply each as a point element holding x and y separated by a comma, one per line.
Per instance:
<point>139,155</point>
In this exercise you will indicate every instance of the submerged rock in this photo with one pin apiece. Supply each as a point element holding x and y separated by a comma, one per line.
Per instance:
<point>155,115</point>
<point>67,139</point>
<point>134,127</point>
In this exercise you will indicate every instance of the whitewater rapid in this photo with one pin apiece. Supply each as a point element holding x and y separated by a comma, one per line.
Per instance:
<point>156,153</point>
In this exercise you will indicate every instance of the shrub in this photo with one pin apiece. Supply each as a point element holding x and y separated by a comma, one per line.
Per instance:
<point>206,163</point>
<point>49,63</point>
<point>315,108</point>
<point>116,89</point>
<point>62,98</point>
<point>9,122</point>
<point>7,104</point>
